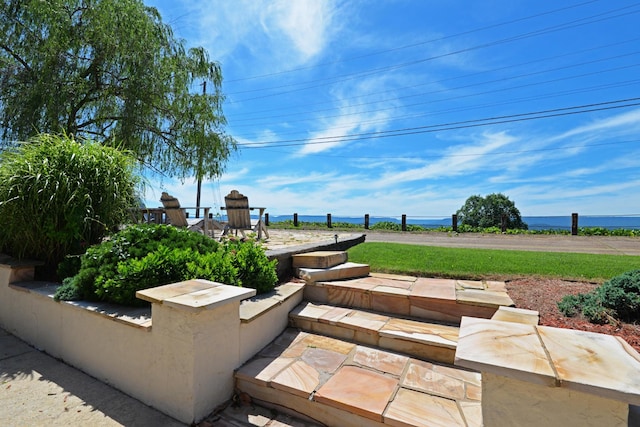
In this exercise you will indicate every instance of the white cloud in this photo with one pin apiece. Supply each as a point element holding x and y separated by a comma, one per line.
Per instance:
<point>457,160</point>
<point>279,34</point>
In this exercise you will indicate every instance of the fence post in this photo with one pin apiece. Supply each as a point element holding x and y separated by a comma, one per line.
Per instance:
<point>454,222</point>
<point>574,224</point>
<point>328,220</point>
<point>266,219</point>
<point>295,219</point>
<point>404,222</point>
<point>366,221</point>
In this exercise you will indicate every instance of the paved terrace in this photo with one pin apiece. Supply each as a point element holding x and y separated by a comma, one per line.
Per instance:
<point>34,392</point>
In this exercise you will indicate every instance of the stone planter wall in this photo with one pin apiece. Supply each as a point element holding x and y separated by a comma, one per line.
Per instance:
<point>178,356</point>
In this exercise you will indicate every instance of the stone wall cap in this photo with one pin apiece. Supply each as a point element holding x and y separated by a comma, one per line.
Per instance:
<point>195,294</point>
<point>589,362</point>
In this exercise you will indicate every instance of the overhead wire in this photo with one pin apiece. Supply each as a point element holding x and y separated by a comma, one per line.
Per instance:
<point>503,68</point>
<point>342,78</point>
<point>412,45</point>
<point>556,112</point>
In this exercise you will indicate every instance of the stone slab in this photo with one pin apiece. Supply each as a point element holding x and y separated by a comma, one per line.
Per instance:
<point>160,293</point>
<point>483,298</point>
<point>434,289</point>
<point>319,259</point>
<point>415,409</point>
<point>348,270</point>
<point>517,315</point>
<point>359,391</point>
<point>598,364</point>
<point>504,348</point>
<point>209,298</point>
<point>298,378</point>
<point>422,332</point>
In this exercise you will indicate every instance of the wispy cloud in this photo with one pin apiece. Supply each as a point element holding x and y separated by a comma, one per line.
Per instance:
<point>357,111</point>
<point>457,160</point>
<point>279,34</point>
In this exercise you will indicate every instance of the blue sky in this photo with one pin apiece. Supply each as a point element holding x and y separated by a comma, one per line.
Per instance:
<point>393,107</point>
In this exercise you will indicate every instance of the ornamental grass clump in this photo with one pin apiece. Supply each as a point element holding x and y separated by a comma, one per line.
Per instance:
<point>148,255</point>
<point>615,300</point>
<point>59,195</point>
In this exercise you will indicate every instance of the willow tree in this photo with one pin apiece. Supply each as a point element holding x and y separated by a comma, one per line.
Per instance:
<point>111,71</point>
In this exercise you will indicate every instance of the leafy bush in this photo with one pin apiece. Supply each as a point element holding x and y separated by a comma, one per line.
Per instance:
<point>616,299</point>
<point>58,196</point>
<point>144,256</point>
<point>490,211</point>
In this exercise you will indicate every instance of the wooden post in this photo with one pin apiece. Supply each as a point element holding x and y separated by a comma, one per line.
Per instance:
<point>366,221</point>
<point>266,219</point>
<point>454,222</point>
<point>574,224</point>
<point>503,223</point>
<point>329,220</point>
<point>295,219</point>
<point>404,222</point>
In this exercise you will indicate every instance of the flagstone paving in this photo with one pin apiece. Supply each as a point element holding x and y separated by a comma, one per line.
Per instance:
<point>445,300</point>
<point>339,383</point>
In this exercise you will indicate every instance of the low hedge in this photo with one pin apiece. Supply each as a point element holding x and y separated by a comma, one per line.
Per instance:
<point>145,256</point>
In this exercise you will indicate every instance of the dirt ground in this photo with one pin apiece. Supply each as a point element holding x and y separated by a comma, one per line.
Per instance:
<point>543,295</point>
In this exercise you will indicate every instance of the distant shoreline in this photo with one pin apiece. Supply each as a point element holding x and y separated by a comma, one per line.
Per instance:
<point>536,223</point>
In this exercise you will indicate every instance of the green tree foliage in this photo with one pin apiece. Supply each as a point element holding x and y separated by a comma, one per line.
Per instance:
<point>146,256</point>
<point>57,196</point>
<point>489,211</point>
<point>110,70</point>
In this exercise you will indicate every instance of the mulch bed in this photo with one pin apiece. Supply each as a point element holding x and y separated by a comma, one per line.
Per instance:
<point>543,295</point>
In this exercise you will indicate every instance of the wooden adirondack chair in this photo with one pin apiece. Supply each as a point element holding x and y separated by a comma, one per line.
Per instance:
<point>239,216</point>
<point>177,216</point>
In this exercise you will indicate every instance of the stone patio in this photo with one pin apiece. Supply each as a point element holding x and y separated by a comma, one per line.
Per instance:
<point>341,382</point>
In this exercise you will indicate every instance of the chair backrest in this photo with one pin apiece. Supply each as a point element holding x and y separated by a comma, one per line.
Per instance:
<point>176,216</point>
<point>238,211</point>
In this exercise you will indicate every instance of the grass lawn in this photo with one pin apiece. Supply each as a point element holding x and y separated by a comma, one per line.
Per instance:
<point>418,260</point>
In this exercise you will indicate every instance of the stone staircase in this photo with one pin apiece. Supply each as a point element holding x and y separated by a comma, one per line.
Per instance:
<point>372,349</point>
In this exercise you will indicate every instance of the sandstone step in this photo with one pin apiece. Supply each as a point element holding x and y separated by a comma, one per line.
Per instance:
<point>339,383</point>
<point>430,341</point>
<point>347,270</point>
<point>319,259</point>
<point>442,300</point>
<point>517,315</point>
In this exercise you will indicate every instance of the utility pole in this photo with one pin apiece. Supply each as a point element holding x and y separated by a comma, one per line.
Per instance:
<point>199,177</point>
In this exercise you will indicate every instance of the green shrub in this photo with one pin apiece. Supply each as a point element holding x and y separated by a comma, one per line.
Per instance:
<point>616,299</point>
<point>145,256</point>
<point>58,196</point>
<point>254,268</point>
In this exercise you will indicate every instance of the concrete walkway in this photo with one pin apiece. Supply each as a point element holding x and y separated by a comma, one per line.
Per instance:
<point>38,390</point>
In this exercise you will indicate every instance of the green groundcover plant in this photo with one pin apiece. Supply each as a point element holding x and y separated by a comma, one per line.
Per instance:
<point>615,300</point>
<point>145,256</point>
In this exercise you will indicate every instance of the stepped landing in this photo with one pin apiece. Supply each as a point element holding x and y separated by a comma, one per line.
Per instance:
<point>372,349</point>
<point>342,383</point>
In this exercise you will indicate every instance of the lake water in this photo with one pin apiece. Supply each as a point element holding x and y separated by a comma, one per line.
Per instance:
<point>534,222</point>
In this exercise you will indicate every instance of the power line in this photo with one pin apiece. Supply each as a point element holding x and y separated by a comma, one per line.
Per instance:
<point>475,107</point>
<point>345,77</point>
<point>527,63</point>
<point>557,112</point>
<point>483,83</point>
<point>422,43</point>
<point>495,153</point>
